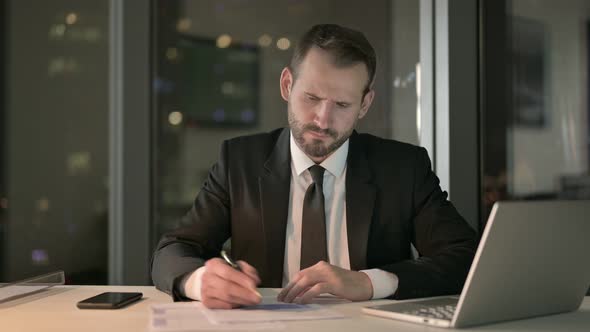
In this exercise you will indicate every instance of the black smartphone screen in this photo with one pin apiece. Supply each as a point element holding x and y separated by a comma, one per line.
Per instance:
<point>109,300</point>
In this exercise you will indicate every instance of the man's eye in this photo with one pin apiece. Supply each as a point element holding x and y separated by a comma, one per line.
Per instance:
<point>342,105</point>
<point>313,98</point>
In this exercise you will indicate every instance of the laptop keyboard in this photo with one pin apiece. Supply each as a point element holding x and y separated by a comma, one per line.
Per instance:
<point>441,312</point>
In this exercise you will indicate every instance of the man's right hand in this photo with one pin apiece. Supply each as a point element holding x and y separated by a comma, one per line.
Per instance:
<point>223,287</point>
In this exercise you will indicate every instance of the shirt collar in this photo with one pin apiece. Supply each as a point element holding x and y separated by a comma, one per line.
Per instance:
<point>334,164</point>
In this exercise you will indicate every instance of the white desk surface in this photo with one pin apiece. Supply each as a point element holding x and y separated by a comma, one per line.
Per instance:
<point>55,310</point>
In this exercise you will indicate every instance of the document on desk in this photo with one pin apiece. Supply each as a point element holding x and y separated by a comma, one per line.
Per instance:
<point>188,316</point>
<point>270,314</point>
<point>271,311</point>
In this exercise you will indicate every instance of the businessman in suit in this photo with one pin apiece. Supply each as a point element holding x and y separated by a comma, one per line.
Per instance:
<point>317,207</point>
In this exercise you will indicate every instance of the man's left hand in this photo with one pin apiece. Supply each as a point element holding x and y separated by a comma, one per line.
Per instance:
<point>326,278</point>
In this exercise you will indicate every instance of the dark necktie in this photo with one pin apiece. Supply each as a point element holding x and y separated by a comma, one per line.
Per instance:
<point>313,225</point>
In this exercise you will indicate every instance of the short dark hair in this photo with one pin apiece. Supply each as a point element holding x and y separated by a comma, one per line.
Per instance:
<point>346,46</point>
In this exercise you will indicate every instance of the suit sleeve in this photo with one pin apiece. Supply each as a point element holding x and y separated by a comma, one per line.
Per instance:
<point>204,230</point>
<point>445,242</point>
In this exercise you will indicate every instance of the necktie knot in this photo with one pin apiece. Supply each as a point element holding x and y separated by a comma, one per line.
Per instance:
<point>317,174</point>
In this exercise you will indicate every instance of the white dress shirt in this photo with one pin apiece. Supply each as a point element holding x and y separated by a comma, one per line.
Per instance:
<point>334,188</point>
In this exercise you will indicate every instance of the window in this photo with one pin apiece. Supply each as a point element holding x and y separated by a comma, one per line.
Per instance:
<point>54,139</point>
<point>536,143</point>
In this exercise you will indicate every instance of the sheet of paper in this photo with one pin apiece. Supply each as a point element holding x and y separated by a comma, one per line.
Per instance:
<point>329,299</point>
<point>188,316</point>
<point>271,311</point>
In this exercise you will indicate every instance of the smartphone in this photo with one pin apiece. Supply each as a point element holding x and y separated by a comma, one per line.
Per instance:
<point>109,300</point>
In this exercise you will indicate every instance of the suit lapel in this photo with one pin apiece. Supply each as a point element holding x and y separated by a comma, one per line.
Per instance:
<point>360,201</point>
<point>275,184</point>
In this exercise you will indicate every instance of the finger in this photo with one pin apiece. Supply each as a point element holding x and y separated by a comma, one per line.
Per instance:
<point>250,271</point>
<point>229,292</point>
<point>291,284</point>
<point>287,289</point>
<point>220,268</point>
<point>213,303</point>
<point>311,293</point>
<point>234,293</point>
<point>212,280</point>
<point>305,282</point>
<point>284,291</point>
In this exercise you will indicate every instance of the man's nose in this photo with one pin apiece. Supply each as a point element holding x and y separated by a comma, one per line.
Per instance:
<point>322,114</point>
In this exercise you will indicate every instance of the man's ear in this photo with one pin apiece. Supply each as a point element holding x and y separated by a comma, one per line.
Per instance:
<point>367,101</point>
<point>286,83</point>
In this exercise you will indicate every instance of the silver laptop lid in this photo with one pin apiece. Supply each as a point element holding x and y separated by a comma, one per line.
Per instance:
<point>535,262</point>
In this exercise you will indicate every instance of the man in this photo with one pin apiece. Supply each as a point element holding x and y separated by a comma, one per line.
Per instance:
<point>318,208</point>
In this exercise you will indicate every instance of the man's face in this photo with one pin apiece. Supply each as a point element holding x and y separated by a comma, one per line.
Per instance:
<point>324,103</point>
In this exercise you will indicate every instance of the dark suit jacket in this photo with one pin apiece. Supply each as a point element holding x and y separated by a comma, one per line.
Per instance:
<point>392,199</point>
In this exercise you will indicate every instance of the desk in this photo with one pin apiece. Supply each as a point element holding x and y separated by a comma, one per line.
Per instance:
<point>55,310</point>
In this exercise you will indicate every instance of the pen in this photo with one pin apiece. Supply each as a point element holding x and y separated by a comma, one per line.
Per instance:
<point>230,261</point>
<point>235,265</point>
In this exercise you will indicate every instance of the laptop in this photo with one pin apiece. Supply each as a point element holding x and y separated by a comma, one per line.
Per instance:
<point>532,260</point>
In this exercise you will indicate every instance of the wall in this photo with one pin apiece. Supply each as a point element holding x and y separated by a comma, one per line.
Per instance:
<point>539,157</point>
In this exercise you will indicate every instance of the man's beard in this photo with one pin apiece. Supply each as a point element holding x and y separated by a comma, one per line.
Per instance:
<point>316,147</point>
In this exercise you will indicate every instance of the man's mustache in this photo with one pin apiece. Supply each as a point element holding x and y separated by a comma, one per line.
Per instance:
<point>316,129</point>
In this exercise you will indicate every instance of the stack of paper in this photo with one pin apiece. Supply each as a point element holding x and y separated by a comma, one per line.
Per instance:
<point>275,312</point>
<point>269,315</point>
<point>188,316</point>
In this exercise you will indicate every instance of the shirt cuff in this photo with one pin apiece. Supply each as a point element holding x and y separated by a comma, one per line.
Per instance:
<point>384,283</point>
<point>190,285</point>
